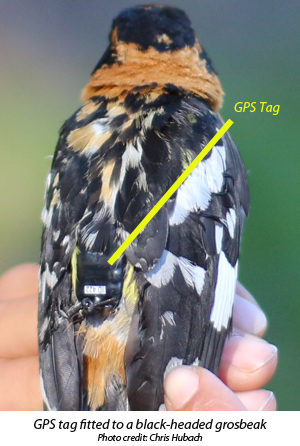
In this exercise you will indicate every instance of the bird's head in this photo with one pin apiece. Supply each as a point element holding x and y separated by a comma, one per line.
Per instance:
<point>160,27</point>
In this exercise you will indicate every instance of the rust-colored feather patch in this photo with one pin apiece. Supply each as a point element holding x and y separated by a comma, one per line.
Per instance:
<point>104,357</point>
<point>106,189</point>
<point>87,138</point>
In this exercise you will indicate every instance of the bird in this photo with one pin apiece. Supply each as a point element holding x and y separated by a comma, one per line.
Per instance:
<point>109,334</point>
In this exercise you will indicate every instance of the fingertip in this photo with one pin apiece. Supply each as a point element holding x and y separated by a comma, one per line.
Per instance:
<point>195,388</point>
<point>258,400</point>
<point>180,386</point>
<point>248,317</point>
<point>270,403</point>
<point>248,363</point>
<point>243,292</point>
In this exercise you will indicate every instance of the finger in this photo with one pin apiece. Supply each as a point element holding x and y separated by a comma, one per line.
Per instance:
<point>248,317</point>
<point>195,388</point>
<point>248,363</point>
<point>19,383</point>
<point>263,400</point>
<point>19,282</point>
<point>243,292</point>
<point>18,322</point>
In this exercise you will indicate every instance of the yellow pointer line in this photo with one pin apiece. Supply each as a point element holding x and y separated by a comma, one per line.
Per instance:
<point>170,192</point>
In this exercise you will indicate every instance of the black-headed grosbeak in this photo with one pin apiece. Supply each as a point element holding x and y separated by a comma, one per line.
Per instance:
<point>109,334</point>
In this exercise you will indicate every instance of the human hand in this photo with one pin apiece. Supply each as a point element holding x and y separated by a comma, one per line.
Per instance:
<point>19,365</point>
<point>248,362</point>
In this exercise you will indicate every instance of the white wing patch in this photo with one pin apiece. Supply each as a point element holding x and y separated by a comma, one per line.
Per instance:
<point>179,213</point>
<point>224,294</point>
<point>51,277</point>
<point>218,237</point>
<point>214,167</point>
<point>47,217</point>
<point>66,240</point>
<point>168,316</point>
<point>231,221</point>
<point>193,275</point>
<point>43,286</point>
<point>192,195</point>
<point>163,271</point>
<point>131,159</point>
<point>195,193</point>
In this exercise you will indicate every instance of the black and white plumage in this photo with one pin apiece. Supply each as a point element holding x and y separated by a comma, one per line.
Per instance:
<point>109,334</point>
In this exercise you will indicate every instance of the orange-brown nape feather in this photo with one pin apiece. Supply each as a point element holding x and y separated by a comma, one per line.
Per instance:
<point>134,67</point>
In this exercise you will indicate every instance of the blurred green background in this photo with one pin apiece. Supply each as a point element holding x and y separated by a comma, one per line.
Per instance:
<point>49,48</point>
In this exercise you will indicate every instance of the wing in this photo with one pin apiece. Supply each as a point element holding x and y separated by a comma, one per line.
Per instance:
<point>60,364</point>
<point>77,290</point>
<point>186,259</point>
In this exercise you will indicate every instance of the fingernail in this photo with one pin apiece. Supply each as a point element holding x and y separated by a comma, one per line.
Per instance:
<point>268,401</point>
<point>248,353</point>
<point>248,317</point>
<point>180,386</point>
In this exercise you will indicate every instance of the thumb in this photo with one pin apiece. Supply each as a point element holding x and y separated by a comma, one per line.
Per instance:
<point>195,388</point>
